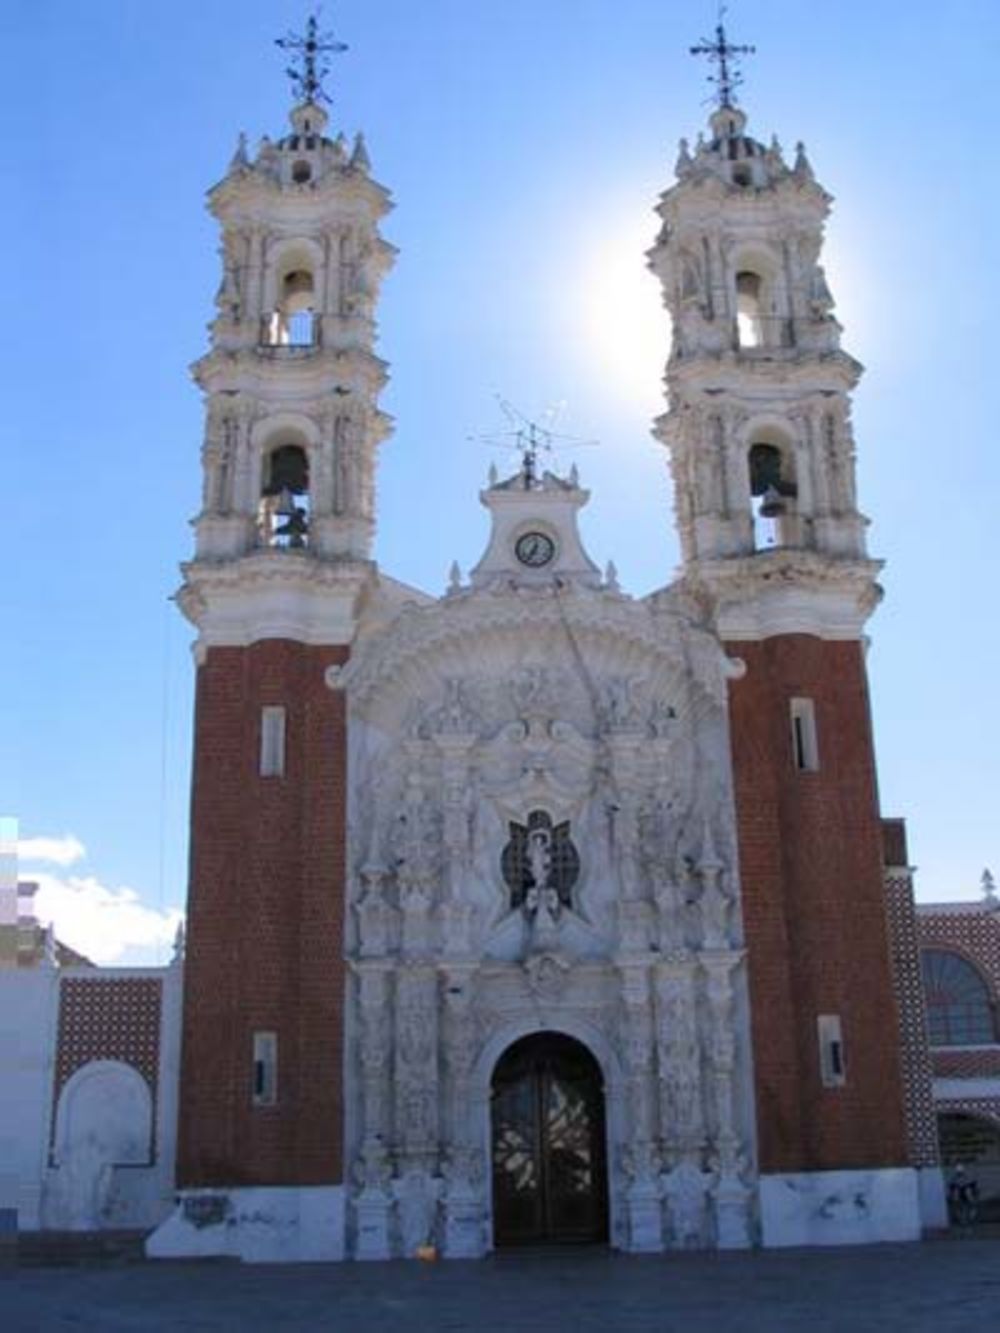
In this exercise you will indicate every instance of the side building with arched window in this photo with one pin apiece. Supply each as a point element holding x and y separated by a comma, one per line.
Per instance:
<point>960,965</point>
<point>946,963</point>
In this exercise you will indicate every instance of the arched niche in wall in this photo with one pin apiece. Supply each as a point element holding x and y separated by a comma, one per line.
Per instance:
<point>107,1104</point>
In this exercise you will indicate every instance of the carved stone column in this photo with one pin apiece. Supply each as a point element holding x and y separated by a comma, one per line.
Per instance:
<point>463,1168</point>
<point>732,1194</point>
<point>375,916</point>
<point>640,1158</point>
<point>455,741</point>
<point>682,1117</point>
<point>372,1171</point>
<point>714,903</point>
<point>416,1066</point>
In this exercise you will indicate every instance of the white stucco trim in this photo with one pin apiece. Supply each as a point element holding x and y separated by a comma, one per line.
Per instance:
<point>961,1089</point>
<point>264,1224</point>
<point>840,1207</point>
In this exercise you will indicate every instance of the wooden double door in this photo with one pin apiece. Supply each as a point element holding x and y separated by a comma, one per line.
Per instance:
<point>548,1137</point>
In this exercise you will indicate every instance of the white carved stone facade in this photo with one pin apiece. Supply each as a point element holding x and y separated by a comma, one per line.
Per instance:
<point>541,824</point>
<point>756,364</point>
<point>547,692</point>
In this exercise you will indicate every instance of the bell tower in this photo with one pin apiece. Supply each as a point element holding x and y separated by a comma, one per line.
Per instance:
<point>282,561</point>
<point>773,543</point>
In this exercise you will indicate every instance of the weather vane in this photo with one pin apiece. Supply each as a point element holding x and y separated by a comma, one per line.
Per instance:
<point>724,55</point>
<point>529,439</point>
<point>309,68</point>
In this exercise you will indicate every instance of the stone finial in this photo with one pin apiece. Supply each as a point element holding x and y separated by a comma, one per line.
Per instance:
<point>360,160</point>
<point>180,943</point>
<point>493,476</point>
<point>240,160</point>
<point>611,577</point>
<point>574,475</point>
<point>50,951</point>
<point>454,578</point>
<point>683,164</point>
<point>803,167</point>
<point>989,888</point>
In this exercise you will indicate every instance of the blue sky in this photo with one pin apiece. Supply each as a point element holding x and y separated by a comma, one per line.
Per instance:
<point>525,144</point>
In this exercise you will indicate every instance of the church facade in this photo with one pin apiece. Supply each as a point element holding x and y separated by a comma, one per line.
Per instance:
<point>534,912</point>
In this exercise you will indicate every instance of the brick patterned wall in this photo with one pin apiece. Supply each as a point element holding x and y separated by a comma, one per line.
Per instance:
<point>970,1062</point>
<point>814,908</point>
<point>108,1018</point>
<point>265,922</point>
<point>915,1055</point>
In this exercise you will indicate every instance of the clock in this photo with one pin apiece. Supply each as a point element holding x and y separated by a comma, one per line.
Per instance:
<point>534,549</point>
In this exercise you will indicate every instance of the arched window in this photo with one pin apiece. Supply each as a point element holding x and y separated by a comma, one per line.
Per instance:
<point>772,492</point>
<point>959,1008</point>
<point>284,497</point>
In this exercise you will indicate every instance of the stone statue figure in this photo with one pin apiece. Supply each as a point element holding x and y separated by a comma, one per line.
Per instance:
<point>540,857</point>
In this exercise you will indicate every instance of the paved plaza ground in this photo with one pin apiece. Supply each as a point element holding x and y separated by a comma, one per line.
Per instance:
<point>941,1285</point>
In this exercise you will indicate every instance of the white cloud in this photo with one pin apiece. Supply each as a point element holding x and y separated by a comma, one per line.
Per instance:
<point>104,923</point>
<point>64,851</point>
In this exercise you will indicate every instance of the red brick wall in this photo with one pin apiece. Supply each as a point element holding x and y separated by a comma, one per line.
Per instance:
<point>265,922</point>
<point>813,903</point>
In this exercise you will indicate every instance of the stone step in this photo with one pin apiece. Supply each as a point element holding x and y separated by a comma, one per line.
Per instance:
<point>61,1249</point>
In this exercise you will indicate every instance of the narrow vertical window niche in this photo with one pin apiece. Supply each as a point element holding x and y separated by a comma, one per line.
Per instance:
<point>832,1069</point>
<point>805,749</point>
<point>265,1068</point>
<point>272,741</point>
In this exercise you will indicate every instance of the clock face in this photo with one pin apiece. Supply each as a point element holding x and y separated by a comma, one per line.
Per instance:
<point>534,549</point>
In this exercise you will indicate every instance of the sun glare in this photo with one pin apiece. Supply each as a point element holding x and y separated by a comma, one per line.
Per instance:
<point>626,327</point>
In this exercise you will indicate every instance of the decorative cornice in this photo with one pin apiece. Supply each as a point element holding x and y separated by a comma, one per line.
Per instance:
<point>805,370</point>
<point>274,595</point>
<point>787,591</point>
<point>589,616</point>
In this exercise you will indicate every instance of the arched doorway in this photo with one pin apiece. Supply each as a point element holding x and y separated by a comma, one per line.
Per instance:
<point>548,1143</point>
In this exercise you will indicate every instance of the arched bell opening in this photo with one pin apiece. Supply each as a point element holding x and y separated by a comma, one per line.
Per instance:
<point>293,320</point>
<point>758,296</point>
<point>773,492</point>
<point>283,513</point>
<point>548,1144</point>
<point>750,330</point>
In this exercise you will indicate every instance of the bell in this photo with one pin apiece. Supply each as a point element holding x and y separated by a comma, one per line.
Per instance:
<point>298,283</point>
<point>286,503</point>
<point>771,504</point>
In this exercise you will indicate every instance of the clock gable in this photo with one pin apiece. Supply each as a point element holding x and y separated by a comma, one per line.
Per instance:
<point>534,536</point>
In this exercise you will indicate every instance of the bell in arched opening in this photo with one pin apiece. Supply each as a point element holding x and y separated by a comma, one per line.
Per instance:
<point>284,505</point>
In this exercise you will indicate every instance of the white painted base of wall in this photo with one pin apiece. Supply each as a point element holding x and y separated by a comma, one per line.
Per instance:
<point>260,1225</point>
<point>840,1207</point>
<point>933,1198</point>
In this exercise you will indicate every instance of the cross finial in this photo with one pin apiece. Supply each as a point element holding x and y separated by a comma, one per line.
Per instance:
<point>309,69</point>
<point>724,55</point>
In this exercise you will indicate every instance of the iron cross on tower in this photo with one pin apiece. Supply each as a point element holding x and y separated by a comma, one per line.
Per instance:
<point>724,55</point>
<point>308,70</point>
